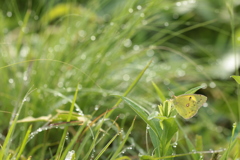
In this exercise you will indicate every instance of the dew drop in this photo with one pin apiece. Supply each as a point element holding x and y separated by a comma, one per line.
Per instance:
<point>166,24</point>
<point>194,151</point>
<point>150,53</point>
<point>70,155</point>
<point>136,47</point>
<point>130,10</point>
<point>9,14</point>
<point>96,107</point>
<point>178,3</point>
<point>148,127</point>
<point>126,77</point>
<point>82,33</point>
<point>180,73</point>
<point>83,56</point>
<point>211,151</point>
<point>93,38</point>
<point>10,80</point>
<point>192,1</point>
<point>166,81</point>
<point>204,85</point>
<point>185,2</point>
<point>127,43</point>
<point>212,85</point>
<point>175,144</point>
<point>205,104</point>
<point>139,7</point>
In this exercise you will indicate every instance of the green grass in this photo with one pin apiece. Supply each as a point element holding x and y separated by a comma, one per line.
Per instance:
<point>92,79</point>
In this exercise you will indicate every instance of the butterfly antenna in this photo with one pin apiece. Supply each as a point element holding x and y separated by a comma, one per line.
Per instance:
<point>172,95</point>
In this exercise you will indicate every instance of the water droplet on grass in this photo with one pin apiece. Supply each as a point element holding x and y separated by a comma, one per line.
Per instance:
<point>166,24</point>
<point>178,3</point>
<point>9,14</point>
<point>96,107</point>
<point>212,85</point>
<point>70,155</point>
<point>127,43</point>
<point>139,7</point>
<point>130,10</point>
<point>93,38</point>
<point>126,77</point>
<point>10,80</point>
<point>82,33</point>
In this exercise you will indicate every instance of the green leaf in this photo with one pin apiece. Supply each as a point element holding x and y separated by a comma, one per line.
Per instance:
<point>160,137</point>
<point>237,79</point>
<point>193,90</point>
<point>159,92</point>
<point>141,112</point>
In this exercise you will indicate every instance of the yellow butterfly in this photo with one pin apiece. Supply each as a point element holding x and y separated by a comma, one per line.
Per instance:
<point>187,105</point>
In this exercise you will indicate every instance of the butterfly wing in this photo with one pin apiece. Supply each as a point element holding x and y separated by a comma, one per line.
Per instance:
<point>187,105</point>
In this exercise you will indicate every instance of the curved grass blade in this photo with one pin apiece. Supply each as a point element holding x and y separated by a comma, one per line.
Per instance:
<point>131,86</point>
<point>193,90</point>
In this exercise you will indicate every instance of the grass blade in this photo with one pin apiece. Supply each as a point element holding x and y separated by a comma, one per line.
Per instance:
<point>24,142</point>
<point>123,142</point>
<point>106,146</point>
<point>61,144</point>
<point>7,142</point>
<point>131,86</point>
<point>73,141</point>
<point>159,92</point>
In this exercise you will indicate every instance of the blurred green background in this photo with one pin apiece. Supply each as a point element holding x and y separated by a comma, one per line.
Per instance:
<point>104,45</point>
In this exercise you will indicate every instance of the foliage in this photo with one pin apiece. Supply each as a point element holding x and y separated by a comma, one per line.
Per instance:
<point>76,73</point>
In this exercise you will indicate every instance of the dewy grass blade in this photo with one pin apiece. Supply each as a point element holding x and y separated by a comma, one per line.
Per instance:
<point>7,142</point>
<point>116,153</point>
<point>91,148</point>
<point>138,109</point>
<point>61,144</point>
<point>24,142</point>
<point>131,86</point>
<point>73,141</point>
<point>106,146</point>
